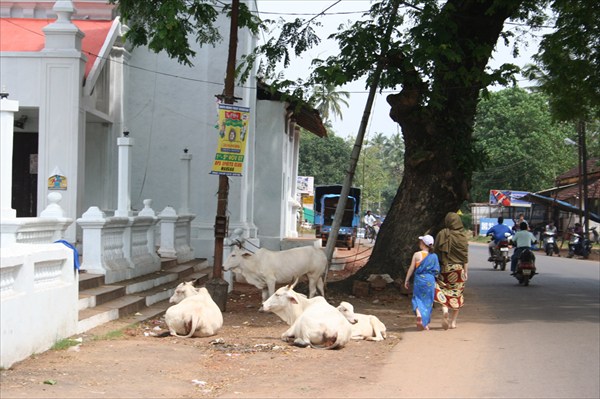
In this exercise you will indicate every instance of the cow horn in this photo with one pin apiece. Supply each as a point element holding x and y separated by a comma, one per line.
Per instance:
<point>293,284</point>
<point>238,243</point>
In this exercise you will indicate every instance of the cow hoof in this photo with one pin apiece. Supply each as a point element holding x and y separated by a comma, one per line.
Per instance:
<point>301,343</point>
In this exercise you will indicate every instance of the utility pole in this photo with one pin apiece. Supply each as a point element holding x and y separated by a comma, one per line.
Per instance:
<point>217,287</point>
<point>583,174</point>
<point>341,206</point>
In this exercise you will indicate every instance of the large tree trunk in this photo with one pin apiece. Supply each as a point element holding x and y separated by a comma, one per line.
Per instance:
<point>437,124</point>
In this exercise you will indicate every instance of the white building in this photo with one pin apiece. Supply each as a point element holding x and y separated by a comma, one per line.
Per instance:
<point>80,87</point>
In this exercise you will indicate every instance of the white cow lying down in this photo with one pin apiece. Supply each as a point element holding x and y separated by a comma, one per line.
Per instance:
<point>313,321</point>
<point>195,313</point>
<point>264,269</point>
<point>367,327</point>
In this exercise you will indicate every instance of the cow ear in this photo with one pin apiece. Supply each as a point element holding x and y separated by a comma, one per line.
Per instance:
<point>293,300</point>
<point>246,255</point>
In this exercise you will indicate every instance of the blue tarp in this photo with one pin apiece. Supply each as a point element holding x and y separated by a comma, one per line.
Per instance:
<point>562,205</point>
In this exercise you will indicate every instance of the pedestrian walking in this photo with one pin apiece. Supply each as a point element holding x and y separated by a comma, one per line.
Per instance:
<point>425,267</point>
<point>452,247</point>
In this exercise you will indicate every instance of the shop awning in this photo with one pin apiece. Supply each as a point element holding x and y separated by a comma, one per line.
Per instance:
<point>562,205</point>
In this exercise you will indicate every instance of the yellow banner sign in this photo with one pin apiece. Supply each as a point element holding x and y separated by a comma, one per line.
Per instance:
<point>233,133</point>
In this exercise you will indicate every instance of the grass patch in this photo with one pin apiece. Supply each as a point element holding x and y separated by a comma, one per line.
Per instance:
<point>64,344</point>
<point>115,334</point>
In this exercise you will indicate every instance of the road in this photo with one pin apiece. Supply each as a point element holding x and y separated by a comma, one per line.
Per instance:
<point>540,341</point>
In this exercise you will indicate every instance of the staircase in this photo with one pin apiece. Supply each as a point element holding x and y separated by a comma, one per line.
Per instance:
<point>145,297</point>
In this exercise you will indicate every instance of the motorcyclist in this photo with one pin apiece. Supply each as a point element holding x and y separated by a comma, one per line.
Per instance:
<point>518,222</point>
<point>578,229</point>
<point>498,234</point>
<point>551,230</point>
<point>523,239</point>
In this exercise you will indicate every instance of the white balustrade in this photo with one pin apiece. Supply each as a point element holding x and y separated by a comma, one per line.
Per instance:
<point>48,228</point>
<point>119,247</point>
<point>38,282</point>
<point>175,235</point>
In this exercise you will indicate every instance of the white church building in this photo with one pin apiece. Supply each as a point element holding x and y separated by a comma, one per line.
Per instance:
<point>79,87</point>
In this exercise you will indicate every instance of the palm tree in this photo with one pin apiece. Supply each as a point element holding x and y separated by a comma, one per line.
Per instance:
<point>328,99</point>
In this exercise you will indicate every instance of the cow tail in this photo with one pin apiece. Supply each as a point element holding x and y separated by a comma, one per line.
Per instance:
<point>193,325</point>
<point>330,341</point>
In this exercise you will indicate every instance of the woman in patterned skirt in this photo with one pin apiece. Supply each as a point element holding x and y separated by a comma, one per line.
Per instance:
<point>452,247</point>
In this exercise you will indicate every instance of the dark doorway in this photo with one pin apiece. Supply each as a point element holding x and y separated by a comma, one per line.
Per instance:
<point>25,174</point>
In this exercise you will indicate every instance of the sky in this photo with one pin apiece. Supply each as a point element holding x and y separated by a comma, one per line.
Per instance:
<point>340,13</point>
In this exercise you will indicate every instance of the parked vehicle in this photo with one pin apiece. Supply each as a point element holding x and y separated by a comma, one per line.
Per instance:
<point>579,246</point>
<point>550,245</point>
<point>500,255</point>
<point>326,200</point>
<point>525,267</point>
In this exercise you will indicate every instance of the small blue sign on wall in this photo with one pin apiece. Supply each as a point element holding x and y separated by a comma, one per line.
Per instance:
<point>487,223</point>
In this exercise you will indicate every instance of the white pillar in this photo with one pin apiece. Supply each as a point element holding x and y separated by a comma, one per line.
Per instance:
<point>124,180</point>
<point>7,117</point>
<point>168,219</point>
<point>185,182</point>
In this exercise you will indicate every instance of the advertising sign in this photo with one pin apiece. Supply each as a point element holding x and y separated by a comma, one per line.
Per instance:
<point>233,133</point>
<point>508,198</point>
<point>305,185</point>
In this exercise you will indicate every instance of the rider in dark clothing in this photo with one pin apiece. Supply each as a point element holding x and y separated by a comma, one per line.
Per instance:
<point>498,234</point>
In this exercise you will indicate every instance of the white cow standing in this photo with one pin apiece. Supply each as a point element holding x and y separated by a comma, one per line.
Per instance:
<point>195,313</point>
<point>264,269</point>
<point>313,321</point>
<point>367,327</point>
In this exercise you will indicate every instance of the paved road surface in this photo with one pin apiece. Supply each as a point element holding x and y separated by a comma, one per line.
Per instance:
<point>540,341</point>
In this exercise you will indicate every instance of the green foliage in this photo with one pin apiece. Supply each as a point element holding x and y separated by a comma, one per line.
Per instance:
<point>569,59</point>
<point>328,99</point>
<point>373,176</point>
<point>325,158</point>
<point>378,172</point>
<point>172,25</point>
<point>525,149</point>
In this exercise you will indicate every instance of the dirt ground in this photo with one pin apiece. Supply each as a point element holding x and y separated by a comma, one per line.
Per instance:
<point>245,359</point>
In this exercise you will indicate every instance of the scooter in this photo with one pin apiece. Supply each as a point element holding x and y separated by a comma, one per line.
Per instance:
<point>500,253</point>
<point>525,267</point>
<point>550,243</point>
<point>579,246</point>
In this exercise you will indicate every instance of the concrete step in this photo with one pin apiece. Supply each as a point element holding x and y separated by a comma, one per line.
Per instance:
<point>112,310</point>
<point>97,296</point>
<point>138,296</point>
<point>87,281</point>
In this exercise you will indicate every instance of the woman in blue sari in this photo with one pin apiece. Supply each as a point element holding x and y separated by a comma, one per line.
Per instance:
<point>425,266</point>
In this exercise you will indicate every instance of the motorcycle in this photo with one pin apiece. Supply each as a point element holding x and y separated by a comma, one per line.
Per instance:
<point>500,253</point>
<point>525,267</point>
<point>550,243</point>
<point>579,246</point>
